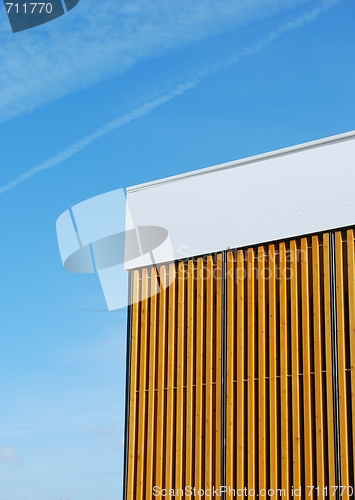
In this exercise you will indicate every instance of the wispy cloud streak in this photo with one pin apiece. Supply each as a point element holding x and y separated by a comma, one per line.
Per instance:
<point>9,455</point>
<point>99,40</point>
<point>82,143</point>
<point>296,23</point>
<point>146,108</point>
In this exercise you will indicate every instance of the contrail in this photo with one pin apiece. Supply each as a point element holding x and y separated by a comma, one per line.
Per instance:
<point>82,143</point>
<point>180,89</point>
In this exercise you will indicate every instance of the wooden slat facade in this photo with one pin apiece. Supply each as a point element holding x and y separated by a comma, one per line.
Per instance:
<point>175,402</point>
<point>242,372</point>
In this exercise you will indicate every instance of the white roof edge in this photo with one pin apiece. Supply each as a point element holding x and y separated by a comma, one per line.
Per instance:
<point>245,161</point>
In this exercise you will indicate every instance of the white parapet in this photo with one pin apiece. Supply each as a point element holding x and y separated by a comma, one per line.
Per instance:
<point>299,190</point>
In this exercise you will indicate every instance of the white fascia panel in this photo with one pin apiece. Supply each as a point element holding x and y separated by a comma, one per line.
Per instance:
<point>299,190</point>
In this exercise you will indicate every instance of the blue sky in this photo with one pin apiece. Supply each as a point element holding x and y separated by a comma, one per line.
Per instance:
<point>110,95</point>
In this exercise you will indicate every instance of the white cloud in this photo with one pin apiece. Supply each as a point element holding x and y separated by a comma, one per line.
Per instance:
<point>180,89</point>
<point>85,141</point>
<point>9,455</point>
<point>99,39</point>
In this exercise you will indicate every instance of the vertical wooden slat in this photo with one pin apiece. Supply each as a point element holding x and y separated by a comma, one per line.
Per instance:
<point>328,358</point>
<point>199,373</point>
<point>190,366</point>
<point>296,435</point>
<point>273,458</point>
<point>230,409</point>
<point>174,432</point>
<point>251,368</point>
<point>261,368</point>
<point>179,460</point>
<point>209,374</point>
<point>351,295</point>
<point>318,363</point>
<point>151,384</point>
<point>307,398</point>
<point>133,388</point>
<point>343,407</point>
<point>170,417</point>
<point>284,371</point>
<point>218,370</point>
<point>161,378</point>
<point>142,389</point>
<point>240,403</point>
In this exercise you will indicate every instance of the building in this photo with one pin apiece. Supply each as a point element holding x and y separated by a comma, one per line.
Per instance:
<point>242,347</point>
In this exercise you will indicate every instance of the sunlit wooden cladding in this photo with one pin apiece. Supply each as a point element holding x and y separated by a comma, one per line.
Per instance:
<point>175,387</point>
<point>242,372</point>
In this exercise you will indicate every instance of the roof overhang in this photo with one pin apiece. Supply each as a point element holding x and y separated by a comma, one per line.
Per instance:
<point>294,191</point>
